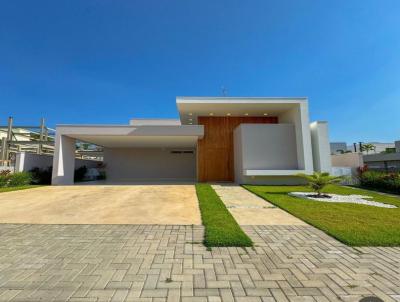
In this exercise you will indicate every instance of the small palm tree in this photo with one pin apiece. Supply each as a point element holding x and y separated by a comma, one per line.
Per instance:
<point>319,180</point>
<point>367,147</point>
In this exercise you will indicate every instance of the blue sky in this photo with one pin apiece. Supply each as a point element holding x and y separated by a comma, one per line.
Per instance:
<point>81,61</point>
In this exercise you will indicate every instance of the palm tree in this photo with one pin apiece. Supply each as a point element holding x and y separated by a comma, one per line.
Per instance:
<point>319,180</point>
<point>367,147</point>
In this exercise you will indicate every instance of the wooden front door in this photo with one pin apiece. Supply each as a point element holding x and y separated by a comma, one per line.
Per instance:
<point>215,150</point>
<point>217,165</point>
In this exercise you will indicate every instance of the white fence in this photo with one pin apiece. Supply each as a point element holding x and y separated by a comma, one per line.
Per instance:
<point>28,161</point>
<point>350,174</point>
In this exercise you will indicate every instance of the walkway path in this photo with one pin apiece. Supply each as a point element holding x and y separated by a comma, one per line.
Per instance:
<point>249,209</point>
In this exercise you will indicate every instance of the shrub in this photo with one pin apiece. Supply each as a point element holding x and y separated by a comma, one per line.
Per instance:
<point>319,180</point>
<point>19,179</point>
<point>80,173</point>
<point>41,176</point>
<point>389,182</point>
<point>4,179</point>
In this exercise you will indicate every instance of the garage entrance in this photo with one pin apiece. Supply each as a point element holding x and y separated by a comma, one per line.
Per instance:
<point>131,153</point>
<point>150,164</point>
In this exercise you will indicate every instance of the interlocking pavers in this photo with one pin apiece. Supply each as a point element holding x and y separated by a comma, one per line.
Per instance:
<point>157,263</point>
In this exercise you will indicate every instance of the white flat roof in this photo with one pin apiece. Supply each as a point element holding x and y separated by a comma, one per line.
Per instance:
<point>227,99</point>
<point>114,136</point>
<point>154,122</point>
<point>191,107</point>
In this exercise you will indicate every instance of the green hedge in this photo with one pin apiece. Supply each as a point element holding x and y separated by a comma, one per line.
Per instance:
<point>221,229</point>
<point>388,182</point>
<point>8,179</point>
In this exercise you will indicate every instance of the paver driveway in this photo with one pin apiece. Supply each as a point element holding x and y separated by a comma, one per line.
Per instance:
<point>112,204</point>
<point>168,263</point>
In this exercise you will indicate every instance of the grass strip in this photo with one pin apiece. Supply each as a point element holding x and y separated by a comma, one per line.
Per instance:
<point>221,229</point>
<point>9,189</point>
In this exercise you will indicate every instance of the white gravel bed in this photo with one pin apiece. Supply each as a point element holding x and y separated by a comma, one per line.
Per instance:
<point>358,199</point>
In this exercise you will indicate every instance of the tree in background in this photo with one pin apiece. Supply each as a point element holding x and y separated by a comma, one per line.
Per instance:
<point>367,147</point>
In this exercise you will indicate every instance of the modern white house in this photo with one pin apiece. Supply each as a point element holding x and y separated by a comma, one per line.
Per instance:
<point>253,140</point>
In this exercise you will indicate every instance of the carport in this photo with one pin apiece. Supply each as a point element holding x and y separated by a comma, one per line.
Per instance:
<point>131,153</point>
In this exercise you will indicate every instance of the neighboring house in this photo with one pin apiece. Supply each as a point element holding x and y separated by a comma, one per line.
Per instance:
<point>387,162</point>
<point>383,161</point>
<point>246,140</point>
<point>349,160</point>
<point>346,164</point>
<point>378,147</point>
<point>18,134</point>
<point>338,147</point>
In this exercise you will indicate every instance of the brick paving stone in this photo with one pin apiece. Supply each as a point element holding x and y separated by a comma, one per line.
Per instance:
<point>164,263</point>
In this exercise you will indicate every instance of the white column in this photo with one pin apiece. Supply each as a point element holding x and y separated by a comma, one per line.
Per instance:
<point>308,164</point>
<point>20,162</point>
<point>63,161</point>
<point>320,146</point>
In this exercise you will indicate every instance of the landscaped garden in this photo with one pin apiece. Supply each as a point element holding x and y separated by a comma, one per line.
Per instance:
<point>221,229</point>
<point>10,181</point>
<point>352,223</point>
<point>15,181</point>
<point>380,181</point>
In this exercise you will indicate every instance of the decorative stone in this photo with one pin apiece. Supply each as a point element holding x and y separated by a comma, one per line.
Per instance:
<point>357,199</point>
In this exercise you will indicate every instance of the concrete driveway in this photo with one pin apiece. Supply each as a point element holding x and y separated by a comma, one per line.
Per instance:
<point>111,204</point>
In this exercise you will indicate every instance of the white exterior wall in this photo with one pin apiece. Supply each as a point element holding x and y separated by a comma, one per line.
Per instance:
<point>266,147</point>
<point>320,146</point>
<point>143,164</point>
<point>27,161</point>
<point>275,180</point>
<point>298,116</point>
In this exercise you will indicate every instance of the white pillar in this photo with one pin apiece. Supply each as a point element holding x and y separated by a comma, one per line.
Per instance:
<point>19,162</point>
<point>320,146</point>
<point>63,161</point>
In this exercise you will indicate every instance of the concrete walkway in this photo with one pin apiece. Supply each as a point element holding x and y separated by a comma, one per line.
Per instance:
<point>249,209</point>
<point>124,204</point>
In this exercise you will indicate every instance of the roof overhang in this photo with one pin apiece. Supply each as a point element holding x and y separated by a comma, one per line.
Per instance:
<point>183,136</point>
<point>192,107</point>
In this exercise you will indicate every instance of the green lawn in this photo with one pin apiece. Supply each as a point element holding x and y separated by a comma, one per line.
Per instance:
<point>353,224</point>
<point>9,189</point>
<point>221,229</point>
